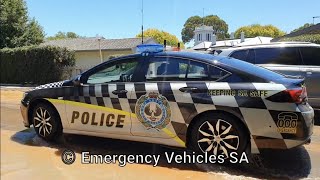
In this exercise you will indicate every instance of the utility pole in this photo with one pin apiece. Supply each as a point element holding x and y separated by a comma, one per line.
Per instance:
<point>99,39</point>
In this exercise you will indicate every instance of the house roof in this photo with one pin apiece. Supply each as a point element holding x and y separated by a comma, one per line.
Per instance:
<point>90,44</point>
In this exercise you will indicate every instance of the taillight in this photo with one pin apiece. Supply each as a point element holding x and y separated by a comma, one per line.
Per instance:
<point>296,95</point>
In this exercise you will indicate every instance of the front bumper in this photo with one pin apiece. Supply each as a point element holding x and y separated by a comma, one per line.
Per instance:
<point>24,113</point>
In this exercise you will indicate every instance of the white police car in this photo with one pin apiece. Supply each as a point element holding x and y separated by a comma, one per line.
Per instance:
<point>203,102</point>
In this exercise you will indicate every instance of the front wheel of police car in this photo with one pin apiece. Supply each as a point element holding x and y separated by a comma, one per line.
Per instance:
<point>46,122</point>
<point>218,134</point>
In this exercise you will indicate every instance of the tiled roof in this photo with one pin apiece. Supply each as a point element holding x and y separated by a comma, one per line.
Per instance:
<point>89,44</point>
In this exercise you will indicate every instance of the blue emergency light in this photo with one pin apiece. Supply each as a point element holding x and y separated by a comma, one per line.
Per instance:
<point>149,48</point>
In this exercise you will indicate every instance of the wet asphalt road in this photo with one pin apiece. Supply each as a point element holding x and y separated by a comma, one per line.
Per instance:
<point>301,162</point>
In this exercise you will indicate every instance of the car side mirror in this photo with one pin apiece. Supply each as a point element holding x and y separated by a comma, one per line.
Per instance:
<point>77,81</point>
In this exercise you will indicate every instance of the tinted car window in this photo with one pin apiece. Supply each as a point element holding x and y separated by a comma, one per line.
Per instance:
<point>311,55</point>
<point>197,71</point>
<point>242,54</point>
<point>114,72</point>
<point>201,71</point>
<point>217,73</point>
<point>251,56</point>
<point>281,55</point>
<point>175,69</point>
<point>167,69</point>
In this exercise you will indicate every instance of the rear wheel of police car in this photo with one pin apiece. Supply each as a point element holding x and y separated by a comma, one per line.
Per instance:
<point>218,134</point>
<point>46,122</point>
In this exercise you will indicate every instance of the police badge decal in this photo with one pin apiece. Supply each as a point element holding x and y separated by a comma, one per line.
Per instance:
<point>153,111</point>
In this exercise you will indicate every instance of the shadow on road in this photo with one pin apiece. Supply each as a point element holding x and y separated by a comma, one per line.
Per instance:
<point>294,163</point>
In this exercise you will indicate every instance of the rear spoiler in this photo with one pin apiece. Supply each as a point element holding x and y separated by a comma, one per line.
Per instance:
<point>292,81</point>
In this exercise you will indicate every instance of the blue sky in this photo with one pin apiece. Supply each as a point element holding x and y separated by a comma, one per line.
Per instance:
<point>122,18</point>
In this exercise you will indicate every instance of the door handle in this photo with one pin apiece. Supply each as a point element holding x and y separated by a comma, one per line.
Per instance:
<point>188,89</point>
<point>117,92</point>
<point>308,71</point>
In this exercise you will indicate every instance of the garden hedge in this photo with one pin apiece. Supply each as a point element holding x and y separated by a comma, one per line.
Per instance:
<point>314,38</point>
<point>34,64</point>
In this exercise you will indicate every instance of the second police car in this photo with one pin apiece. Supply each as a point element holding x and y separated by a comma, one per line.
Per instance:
<point>203,102</point>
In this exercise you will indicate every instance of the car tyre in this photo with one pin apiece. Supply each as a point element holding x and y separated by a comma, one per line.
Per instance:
<point>46,122</point>
<point>218,133</point>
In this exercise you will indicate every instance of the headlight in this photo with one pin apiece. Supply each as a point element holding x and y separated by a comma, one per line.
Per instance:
<point>24,95</point>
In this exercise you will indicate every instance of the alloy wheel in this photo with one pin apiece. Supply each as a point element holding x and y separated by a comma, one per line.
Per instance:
<point>42,122</point>
<point>218,138</point>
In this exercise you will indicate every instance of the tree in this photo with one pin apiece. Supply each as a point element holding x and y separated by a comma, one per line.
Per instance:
<point>63,35</point>
<point>220,27</point>
<point>306,25</point>
<point>72,35</point>
<point>259,30</point>
<point>313,38</point>
<point>16,28</point>
<point>34,33</point>
<point>160,36</point>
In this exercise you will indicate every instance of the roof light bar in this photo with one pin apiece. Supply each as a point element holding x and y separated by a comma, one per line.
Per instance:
<point>149,48</point>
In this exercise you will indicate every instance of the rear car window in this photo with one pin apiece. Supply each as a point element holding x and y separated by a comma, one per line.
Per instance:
<point>311,55</point>
<point>217,73</point>
<point>242,54</point>
<point>176,69</point>
<point>197,71</point>
<point>167,69</point>
<point>281,55</point>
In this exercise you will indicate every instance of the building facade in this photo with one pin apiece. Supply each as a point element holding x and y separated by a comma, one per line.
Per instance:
<point>204,34</point>
<point>87,50</point>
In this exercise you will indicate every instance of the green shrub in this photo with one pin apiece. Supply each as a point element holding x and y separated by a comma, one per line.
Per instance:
<point>314,38</point>
<point>34,64</point>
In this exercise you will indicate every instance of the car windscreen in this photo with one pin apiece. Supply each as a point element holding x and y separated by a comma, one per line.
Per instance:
<point>251,69</point>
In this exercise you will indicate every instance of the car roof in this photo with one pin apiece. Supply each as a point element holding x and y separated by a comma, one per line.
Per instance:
<point>225,52</point>
<point>209,58</point>
<point>190,55</point>
<point>287,43</point>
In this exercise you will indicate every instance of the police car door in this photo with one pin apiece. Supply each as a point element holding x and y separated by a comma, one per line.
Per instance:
<point>165,100</point>
<point>102,101</point>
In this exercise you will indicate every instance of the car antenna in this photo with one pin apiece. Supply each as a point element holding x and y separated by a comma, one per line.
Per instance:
<point>142,21</point>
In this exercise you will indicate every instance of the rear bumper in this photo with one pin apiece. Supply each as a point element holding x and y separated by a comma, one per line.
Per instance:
<point>291,134</point>
<point>304,129</point>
